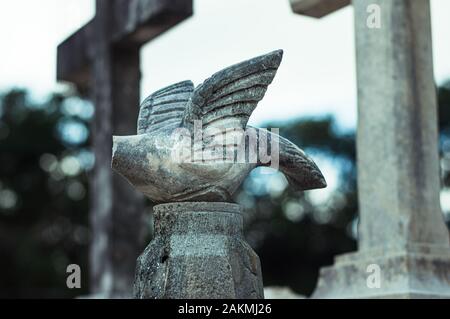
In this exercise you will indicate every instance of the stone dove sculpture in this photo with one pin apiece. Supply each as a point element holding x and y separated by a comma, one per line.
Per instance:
<point>218,110</point>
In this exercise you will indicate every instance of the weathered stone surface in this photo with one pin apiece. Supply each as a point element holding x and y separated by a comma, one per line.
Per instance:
<point>420,272</point>
<point>222,105</point>
<point>275,292</point>
<point>401,229</point>
<point>117,210</point>
<point>398,162</point>
<point>317,8</point>
<point>198,252</point>
<point>102,60</point>
<point>132,23</point>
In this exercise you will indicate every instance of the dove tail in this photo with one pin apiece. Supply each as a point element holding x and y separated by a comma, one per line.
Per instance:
<point>299,169</point>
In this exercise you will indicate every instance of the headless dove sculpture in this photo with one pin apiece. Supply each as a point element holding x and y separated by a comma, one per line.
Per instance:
<point>221,107</point>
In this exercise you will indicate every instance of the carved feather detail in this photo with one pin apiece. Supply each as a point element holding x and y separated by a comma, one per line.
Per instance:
<point>164,108</point>
<point>228,98</point>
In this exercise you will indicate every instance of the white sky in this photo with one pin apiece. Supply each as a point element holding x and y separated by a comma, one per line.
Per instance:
<point>317,74</point>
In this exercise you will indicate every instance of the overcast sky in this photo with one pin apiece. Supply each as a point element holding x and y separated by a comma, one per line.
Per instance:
<point>317,74</point>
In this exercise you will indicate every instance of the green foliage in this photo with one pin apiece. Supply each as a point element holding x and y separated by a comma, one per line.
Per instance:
<point>444,128</point>
<point>43,202</point>
<point>293,234</point>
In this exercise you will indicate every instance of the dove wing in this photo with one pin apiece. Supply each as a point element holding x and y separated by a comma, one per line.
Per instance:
<point>228,98</point>
<point>165,108</point>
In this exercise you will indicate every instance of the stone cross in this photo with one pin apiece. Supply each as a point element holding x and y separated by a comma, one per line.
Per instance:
<point>403,242</point>
<point>103,58</point>
<point>317,8</point>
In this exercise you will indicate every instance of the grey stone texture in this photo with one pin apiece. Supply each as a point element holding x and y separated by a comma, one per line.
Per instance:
<point>131,24</point>
<point>102,60</point>
<point>397,150</point>
<point>317,8</point>
<point>280,292</point>
<point>198,252</point>
<point>411,272</point>
<point>222,105</point>
<point>401,227</point>
<point>117,210</point>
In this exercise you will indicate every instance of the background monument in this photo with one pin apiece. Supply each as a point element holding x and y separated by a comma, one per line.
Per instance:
<point>401,229</point>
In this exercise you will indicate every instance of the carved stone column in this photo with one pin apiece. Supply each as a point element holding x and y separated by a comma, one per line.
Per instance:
<point>198,252</point>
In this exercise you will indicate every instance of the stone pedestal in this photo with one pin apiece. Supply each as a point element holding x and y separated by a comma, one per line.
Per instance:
<point>411,272</point>
<point>198,252</point>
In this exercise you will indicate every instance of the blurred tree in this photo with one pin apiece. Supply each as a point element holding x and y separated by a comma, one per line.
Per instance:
<point>43,188</point>
<point>444,142</point>
<point>296,234</point>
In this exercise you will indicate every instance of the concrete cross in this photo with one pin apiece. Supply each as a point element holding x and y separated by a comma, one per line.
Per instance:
<point>317,8</point>
<point>102,58</point>
<point>404,246</point>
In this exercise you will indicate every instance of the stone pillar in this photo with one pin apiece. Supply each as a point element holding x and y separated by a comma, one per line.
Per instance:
<point>116,208</point>
<point>198,252</point>
<point>402,231</point>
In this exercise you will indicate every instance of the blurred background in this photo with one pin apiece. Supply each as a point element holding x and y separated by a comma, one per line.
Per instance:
<point>45,156</point>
